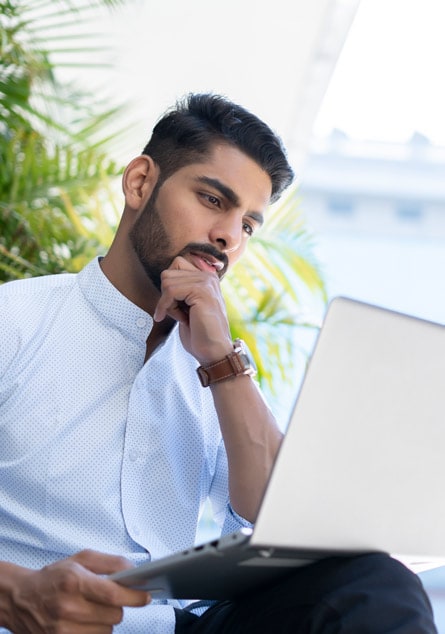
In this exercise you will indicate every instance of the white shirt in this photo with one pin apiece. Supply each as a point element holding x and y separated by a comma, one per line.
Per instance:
<point>97,449</point>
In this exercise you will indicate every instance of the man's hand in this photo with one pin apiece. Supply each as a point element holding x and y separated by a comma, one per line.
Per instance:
<point>193,297</point>
<point>69,596</point>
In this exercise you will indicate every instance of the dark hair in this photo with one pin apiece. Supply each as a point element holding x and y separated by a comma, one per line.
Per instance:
<point>187,133</point>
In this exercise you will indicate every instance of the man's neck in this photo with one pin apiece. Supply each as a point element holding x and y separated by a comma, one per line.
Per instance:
<point>129,277</point>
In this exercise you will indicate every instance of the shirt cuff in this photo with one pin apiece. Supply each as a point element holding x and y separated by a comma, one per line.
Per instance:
<point>234,522</point>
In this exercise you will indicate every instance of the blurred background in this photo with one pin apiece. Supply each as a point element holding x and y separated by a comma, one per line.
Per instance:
<point>352,87</point>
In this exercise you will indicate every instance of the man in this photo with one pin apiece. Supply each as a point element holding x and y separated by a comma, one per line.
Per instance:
<point>111,442</point>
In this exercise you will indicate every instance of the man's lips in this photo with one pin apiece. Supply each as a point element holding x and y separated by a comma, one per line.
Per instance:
<point>206,262</point>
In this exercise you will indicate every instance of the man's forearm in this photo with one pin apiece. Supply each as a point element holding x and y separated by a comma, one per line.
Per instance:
<point>252,440</point>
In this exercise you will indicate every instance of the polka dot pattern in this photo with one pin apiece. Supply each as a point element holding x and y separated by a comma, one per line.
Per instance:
<point>99,450</point>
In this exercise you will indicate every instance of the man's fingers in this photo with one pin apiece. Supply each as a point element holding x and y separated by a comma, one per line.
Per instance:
<point>173,300</point>
<point>80,610</point>
<point>104,591</point>
<point>69,592</point>
<point>181,264</point>
<point>107,592</point>
<point>101,563</point>
<point>181,288</point>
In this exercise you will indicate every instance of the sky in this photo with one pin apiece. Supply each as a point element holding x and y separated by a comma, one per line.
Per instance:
<point>389,79</point>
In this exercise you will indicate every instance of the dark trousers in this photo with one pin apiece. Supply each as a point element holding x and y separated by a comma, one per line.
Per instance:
<point>368,594</point>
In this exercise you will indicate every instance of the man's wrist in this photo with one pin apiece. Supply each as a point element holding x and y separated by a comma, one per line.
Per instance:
<point>237,363</point>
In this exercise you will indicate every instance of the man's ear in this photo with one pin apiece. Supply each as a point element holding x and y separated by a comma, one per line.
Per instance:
<point>139,180</point>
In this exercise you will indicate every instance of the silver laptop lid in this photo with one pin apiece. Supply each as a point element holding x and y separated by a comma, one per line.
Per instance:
<point>362,466</point>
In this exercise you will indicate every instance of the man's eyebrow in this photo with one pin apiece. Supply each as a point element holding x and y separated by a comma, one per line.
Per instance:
<point>224,190</point>
<point>230,195</point>
<point>257,217</point>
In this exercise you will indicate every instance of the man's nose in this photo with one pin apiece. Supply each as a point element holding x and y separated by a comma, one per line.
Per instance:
<point>227,234</point>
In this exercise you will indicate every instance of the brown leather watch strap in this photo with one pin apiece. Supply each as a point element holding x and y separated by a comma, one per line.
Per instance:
<point>234,364</point>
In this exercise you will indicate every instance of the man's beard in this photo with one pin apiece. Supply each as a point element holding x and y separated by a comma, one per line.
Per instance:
<point>151,242</point>
<point>153,247</point>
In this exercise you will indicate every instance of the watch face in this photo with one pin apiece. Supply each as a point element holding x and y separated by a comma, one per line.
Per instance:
<point>246,357</point>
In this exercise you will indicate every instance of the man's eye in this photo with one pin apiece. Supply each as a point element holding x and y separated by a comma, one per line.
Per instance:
<point>213,200</point>
<point>248,229</point>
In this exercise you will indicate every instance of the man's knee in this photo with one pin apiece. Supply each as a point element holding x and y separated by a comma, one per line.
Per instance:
<point>381,594</point>
<point>371,593</point>
<point>381,571</point>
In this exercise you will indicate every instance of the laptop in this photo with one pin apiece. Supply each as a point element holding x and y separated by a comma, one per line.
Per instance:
<point>361,468</point>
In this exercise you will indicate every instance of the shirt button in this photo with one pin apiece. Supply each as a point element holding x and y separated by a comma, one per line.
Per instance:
<point>133,455</point>
<point>140,322</point>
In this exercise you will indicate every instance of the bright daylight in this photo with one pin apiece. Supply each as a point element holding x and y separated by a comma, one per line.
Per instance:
<point>222,245</point>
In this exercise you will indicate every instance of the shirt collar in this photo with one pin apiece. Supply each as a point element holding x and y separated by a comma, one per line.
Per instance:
<point>113,307</point>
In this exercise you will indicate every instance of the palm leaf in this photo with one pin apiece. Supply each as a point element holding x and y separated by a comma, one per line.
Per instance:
<point>56,193</point>
<point>276,291</point>
<point>56,188</point>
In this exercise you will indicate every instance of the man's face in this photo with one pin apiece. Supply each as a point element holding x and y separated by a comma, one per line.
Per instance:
<point>205,212</point>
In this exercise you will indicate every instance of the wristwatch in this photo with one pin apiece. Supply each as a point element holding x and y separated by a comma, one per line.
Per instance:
<point>236,363</point>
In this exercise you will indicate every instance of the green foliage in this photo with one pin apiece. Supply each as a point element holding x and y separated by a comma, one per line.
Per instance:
<point>55,175</point>
<point>56,188</point>
<point>275,290</point>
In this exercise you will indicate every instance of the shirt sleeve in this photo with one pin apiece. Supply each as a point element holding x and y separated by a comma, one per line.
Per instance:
<point>233,522</point>
<point>9,337</point>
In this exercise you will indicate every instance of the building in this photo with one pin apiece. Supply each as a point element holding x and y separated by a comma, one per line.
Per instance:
<point>377,213</point>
